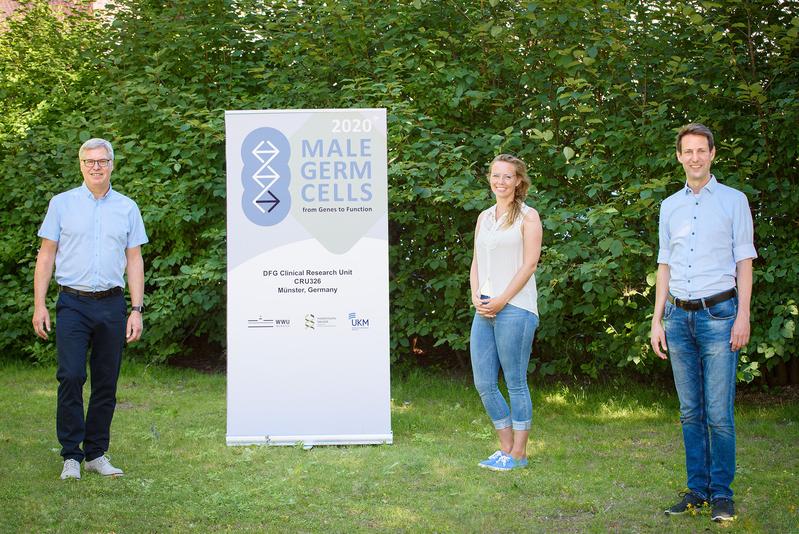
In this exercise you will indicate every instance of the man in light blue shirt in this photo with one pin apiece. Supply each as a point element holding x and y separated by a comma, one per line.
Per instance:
<point>93,235</point>
<point>702,297</point>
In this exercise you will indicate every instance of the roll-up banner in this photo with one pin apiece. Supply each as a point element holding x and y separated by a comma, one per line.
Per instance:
<point>307,277</point>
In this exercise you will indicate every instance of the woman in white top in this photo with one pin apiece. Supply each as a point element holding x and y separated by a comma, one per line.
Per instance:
<point>507,246</point>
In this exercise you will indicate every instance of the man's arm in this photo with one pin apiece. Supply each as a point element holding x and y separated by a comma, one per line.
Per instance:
<point>135,271</point>
<point>739,336</point>
<point>657,337</point>
<point>41,281</point>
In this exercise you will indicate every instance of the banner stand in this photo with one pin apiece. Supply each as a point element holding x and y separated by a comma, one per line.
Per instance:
<point>307,277</point>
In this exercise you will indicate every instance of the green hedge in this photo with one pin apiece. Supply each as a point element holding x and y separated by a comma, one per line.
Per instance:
<point>589,94</point>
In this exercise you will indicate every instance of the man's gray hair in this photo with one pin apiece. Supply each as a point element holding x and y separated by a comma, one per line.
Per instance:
<point>96,143</point>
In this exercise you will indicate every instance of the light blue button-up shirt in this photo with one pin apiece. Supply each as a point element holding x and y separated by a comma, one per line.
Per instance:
<point>702,237</point>
<point>92,236</point>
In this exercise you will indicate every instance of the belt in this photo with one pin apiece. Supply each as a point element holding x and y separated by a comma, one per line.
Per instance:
<point>113,292</point>
<point>707,302</point>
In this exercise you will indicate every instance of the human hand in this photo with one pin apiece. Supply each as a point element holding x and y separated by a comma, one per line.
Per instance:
<point>41,321</point>
<point>657,338</point>
<point>739,335</point>
<point>135,327</point>
<point>490,307</point>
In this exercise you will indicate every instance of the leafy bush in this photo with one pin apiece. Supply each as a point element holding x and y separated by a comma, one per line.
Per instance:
<point>589,95</point>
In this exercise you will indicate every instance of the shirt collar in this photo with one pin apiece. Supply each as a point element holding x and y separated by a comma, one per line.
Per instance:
<point>710,186</point>
<point>87,192</point>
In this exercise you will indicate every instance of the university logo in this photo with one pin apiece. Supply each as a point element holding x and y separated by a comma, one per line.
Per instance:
<point>358,323</point>
<point>310,321</point>
<point>260,322</point>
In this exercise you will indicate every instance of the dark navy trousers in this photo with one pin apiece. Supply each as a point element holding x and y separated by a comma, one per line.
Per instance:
<point>81,323</point>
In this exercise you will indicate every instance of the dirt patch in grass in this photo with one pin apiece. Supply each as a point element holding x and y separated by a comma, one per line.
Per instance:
<point>759,396</point>
<point>200,355</point>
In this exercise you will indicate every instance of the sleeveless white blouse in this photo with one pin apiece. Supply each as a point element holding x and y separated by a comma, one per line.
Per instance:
<point>500,255</point>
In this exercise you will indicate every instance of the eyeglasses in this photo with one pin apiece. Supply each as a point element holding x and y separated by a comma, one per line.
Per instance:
<point>89,163</point>
<point>503,177</point>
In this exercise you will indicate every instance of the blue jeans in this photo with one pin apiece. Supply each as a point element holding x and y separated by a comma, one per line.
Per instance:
<point>82,322</point>
<point>504,341</point>
<point>704,368</point>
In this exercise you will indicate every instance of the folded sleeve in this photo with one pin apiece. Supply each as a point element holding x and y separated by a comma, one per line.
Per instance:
<point>136,234</point>
<point>51,226</point>
<point>664,250</point>
<point>743,232</point>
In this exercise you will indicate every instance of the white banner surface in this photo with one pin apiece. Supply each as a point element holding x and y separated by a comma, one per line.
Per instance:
<point>307,277</point>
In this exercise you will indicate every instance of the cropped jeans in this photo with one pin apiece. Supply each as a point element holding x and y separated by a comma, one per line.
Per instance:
<point>704,368</point>
<point>505,342</point>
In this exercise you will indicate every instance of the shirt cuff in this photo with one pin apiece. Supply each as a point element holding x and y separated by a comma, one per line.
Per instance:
<point>45,235</point>
<point>744,252</point>
<point>664,255</point>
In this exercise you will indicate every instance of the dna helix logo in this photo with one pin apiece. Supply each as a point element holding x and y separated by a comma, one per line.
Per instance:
<point>266,176</point>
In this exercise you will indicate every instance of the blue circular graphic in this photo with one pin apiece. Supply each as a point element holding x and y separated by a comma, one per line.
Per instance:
<point>265,176</point>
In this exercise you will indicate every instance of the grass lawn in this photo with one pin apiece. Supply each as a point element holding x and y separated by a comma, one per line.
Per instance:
<point>602,458</point>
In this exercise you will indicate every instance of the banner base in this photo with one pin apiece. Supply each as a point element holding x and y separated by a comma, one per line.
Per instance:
<point>312,440</point>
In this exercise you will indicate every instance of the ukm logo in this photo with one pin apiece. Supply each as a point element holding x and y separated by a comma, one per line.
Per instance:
<point>358,323</point>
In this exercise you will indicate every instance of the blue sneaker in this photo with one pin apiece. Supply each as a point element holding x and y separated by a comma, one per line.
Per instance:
<point>488,462</point>
<point>506,463</point>
<point>521,462</point>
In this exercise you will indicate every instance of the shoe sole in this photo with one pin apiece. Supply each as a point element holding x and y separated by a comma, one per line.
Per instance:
<point>499,469</point>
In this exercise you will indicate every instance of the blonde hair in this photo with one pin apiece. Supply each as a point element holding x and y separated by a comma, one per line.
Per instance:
<point>520,193</point>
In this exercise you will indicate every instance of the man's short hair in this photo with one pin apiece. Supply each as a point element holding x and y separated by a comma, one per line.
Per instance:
<point>96,143</point>
<point>694,128</point>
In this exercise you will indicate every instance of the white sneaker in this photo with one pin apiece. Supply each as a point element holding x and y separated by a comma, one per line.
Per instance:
<point>103,466</point>
<point>71,469</point>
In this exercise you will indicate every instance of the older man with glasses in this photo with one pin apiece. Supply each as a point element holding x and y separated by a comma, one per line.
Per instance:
<point>92,234</point>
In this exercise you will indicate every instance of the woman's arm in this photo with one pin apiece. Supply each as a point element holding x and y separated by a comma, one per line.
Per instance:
<point>474,278</point>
